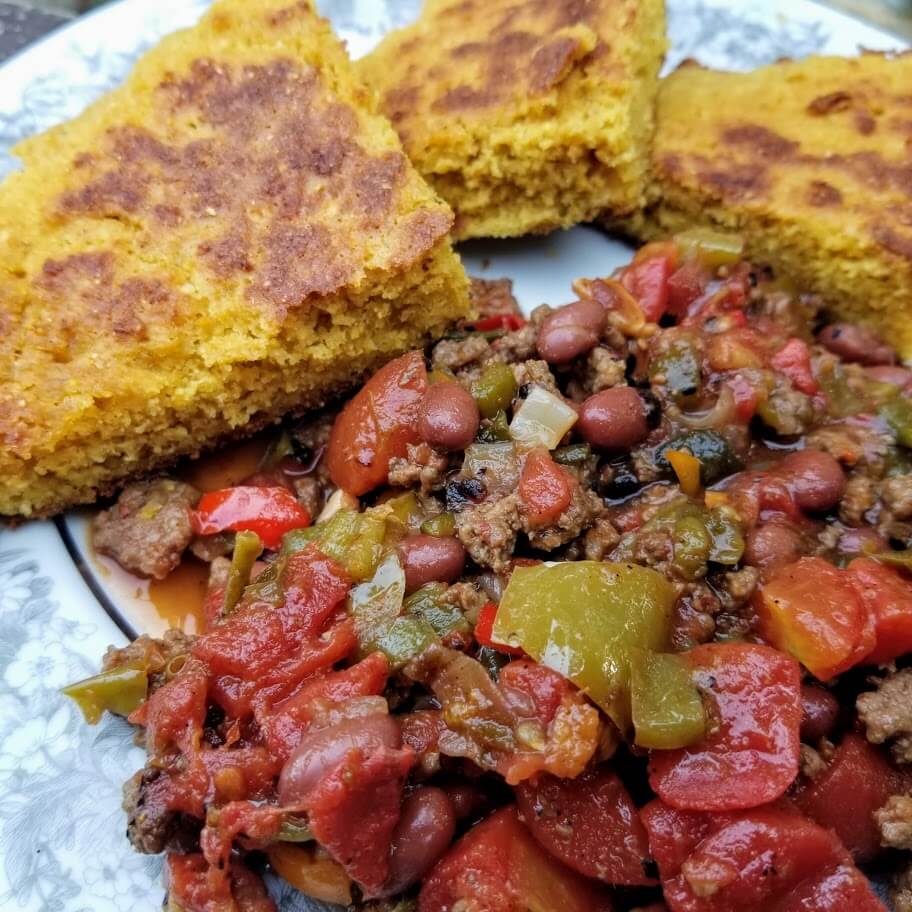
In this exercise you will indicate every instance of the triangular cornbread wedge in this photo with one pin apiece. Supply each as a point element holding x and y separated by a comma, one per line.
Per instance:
<point>525,115</point>
<point>231,235</point>
<point>812,162</point>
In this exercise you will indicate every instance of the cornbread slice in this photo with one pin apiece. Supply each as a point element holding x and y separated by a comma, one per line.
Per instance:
<point>812,162</point>
<point>231,235</point>
<point>525,115</point>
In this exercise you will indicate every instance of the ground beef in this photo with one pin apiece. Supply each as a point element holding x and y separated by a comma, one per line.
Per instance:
<point>454,354</point>
<point>894,820</point>
<point>737,587</point>
<point>600,540</point>
<point>601,370</point>
<point>489,531</point>
<point>493,297</point>
<point>208,547</point>
<point>151,827</point>
<point>694,618</point>
<point>422,466</point>
<point>896,494</point>
<point>521,344</point>
<point>852,444</point>
<point>901,892</point>
<point>585,508</point>
<point>644,465</point>
<point>468,598</point>
<point>810,762</point>
<point>794,410</point>
<point>148,529</point>
<point>153,654</point>
<point>860,496</point>
<point>535,373</point>
<point>310,493</point>
<point>887,713</point>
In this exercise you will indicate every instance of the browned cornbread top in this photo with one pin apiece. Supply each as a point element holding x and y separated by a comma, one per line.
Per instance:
<point>232,234</point>
<point>830,137</point>
<point>488,53</point>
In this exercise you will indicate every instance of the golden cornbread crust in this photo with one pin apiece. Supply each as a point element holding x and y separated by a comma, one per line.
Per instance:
<point>812,162</point>
<point>231,235</point>
<point>525,115</point>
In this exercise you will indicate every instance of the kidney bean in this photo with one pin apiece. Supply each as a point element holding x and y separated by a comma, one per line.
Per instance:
<point>820,711</point>
<point>467,800</point>
<point>571,331</point>
<point>424,832</point>
<point>815,479</point>
<point>772,543</point>
<point>614,419</point>
<point>427,559</point>
<point>855,343</point>
<point>890,373</point>
<point>320,752</point>
<point>449,417</point>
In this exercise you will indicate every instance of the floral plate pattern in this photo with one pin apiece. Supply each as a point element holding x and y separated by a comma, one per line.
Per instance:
<point>62,847</point>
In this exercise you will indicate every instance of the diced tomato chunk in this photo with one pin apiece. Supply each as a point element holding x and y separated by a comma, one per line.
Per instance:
<point>287,722</point>
<point>545,488</point>
<point>647,281</point>
<point>810,610</point>
<point>498,867</point>
<point>685,285</point>
<point>194,887</point>
<point>544,687</point>
<point>377,424</point>
<point>794,361</point>
<point>843,798</point>
<point>506,321</point>
<point>887,596</point>
<point>354,810</point>
<point>175,713</point>
<point>751,755</point>
<point>589,823</point>
<point>768,858</point>
<point>268,511</point>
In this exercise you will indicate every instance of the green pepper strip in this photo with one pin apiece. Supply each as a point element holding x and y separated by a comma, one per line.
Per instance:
<point>441,526</point>
<point>119,690</point>
<point>247,548</point>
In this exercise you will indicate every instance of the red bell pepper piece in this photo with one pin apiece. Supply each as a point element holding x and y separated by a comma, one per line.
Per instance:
<point>484,629</point>
<point>887,595</point>
<point>810,610</point>
<point>590,824</point>
<point>508,322</point>
<point>545,488</point>
<point>751,755</point>
<point>377,424</point>
<point>498,867</point>
<point>270,512</point>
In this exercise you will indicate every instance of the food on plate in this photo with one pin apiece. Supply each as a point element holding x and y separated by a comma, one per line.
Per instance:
<point>231,235</point>
<point>809,162</point>
<point>607,607</point>
<point>525,116</point>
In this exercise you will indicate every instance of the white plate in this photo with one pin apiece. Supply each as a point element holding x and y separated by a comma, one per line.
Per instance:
<point>61,828</point>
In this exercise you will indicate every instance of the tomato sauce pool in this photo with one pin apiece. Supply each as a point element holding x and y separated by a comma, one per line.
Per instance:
<point>177,601</point>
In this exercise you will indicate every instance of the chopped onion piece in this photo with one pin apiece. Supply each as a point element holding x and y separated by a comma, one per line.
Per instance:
<point>541,420</point>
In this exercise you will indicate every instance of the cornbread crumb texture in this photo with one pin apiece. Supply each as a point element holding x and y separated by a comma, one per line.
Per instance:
<point>812,162</point>
<point>526,115</point>
<point>230,235</point>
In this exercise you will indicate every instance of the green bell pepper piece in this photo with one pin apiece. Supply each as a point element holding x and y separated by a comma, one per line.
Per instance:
<point>898,414</point>
<point>376,603</point>
<point>247,548</point>
<point>355,540</point>
<point>711,448</point>
<point>665,703</point>
<point>119,690</point>
<point>712,248</point>
<point>494,390</point>
<point>680,367</point>
<point>405,639</point>
<point>584,619</point>
<point>441,526</point>
<point>727,541</point>
<point>444,617</point>
<point>692,545</point>
<point>574,455</point>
